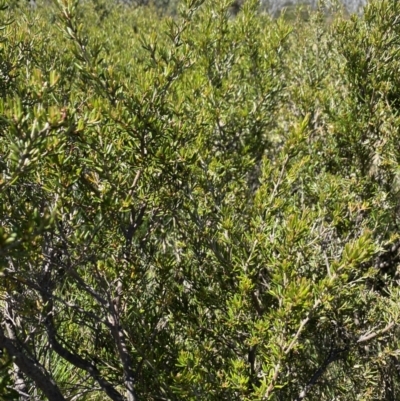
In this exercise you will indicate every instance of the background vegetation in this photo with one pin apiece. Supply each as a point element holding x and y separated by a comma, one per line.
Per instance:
<point>199,207</point>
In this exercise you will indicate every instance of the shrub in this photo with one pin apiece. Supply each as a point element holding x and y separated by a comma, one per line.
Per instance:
<point>199,207</point>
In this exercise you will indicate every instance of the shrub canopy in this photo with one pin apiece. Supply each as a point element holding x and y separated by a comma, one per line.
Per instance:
<point>199,207</point>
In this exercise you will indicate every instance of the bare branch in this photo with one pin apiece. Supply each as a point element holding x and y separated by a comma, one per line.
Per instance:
<point>332,357</point>
<point>289,348</point>
<point>120,340</point>
<point>370,336</point>
<point>301,327</point>
<point>74,358</point>
<point>31,368</point>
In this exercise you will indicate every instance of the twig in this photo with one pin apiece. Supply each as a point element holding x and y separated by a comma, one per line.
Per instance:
<point>302,324</point>
<point>332,357</point>
<point>370,336</point>
<point>289,348</point>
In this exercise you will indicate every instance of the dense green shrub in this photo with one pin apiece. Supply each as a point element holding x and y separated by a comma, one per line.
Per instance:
<point>199,207</point>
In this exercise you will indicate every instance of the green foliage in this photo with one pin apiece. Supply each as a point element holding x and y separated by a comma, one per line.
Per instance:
<point>200,207</point>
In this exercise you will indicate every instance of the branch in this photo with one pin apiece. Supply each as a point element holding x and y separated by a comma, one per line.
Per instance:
<point>19,380</point>
<point>289,348</point>
<point>31,368</point>
<point>120,340</point>
<point>332,357</point>
<point>76,359</point>
<point>301,327</point>
<point>370,336</point>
